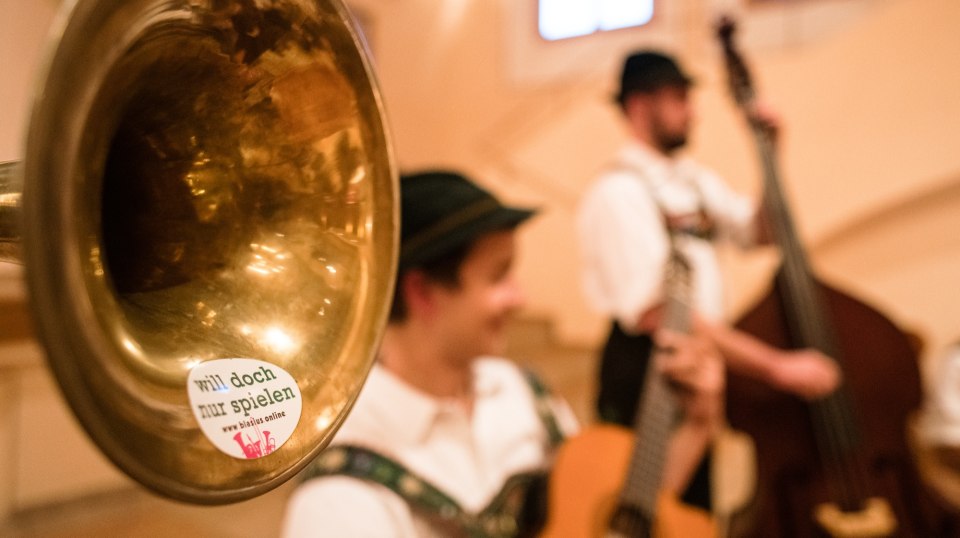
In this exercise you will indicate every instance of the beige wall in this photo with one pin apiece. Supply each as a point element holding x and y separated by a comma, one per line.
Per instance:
<point>871,155</point>
<point>44,456</point>
<point>867,92</point>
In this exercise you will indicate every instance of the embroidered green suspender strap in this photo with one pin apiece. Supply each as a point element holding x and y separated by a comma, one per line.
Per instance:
<point>498,519</point>
<point>541,396</point>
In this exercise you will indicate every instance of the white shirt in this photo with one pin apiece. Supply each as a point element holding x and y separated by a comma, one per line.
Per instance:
<point>940,420</point>
<point>469,457</point>
<point>624,244</point>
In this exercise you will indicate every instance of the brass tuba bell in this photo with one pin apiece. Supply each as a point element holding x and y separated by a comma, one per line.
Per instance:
<point>206,212</point>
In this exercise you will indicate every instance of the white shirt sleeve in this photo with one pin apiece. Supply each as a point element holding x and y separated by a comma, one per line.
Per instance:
<point>940,419</point>
<point>346,507</point>
<point>624,248</point>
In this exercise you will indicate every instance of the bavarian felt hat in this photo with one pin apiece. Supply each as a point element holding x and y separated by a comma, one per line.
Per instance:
<point>443,210</point>
<point>648,70</point>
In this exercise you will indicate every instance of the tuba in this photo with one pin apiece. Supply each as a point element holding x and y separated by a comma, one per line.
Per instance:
<point>207,216</point>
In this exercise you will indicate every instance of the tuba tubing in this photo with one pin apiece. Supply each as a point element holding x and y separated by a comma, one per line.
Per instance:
<point>10,195</point>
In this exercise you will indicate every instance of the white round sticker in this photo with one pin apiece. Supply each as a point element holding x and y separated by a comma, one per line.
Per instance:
<point>247,408</point>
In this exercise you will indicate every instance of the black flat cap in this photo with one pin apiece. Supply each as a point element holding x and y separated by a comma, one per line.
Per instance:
<point>648,70</point>
<point>443,210</point>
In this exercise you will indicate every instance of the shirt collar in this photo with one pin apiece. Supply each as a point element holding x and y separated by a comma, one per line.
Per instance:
<point>639,153</point>
<point>661,168</point>
<point>412,413</point>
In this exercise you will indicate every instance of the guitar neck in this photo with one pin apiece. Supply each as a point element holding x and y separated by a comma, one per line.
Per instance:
<point>658,411</point>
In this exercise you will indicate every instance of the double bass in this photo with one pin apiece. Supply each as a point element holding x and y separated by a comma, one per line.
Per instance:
<point>840,466</point>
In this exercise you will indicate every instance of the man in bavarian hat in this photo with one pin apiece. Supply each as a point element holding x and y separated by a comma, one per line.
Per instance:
<point>652,202</point>
<point>441,425</point>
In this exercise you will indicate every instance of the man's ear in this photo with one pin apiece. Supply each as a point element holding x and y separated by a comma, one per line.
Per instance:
<point>417,292</point>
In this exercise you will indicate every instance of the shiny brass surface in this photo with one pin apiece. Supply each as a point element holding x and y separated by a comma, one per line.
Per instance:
<point>10,198</point>
<point>205,179</point>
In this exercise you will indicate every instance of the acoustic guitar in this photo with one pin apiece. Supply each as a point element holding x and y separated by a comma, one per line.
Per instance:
<point>606,480</point>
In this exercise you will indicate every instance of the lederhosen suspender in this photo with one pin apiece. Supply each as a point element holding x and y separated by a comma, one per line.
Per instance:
<point>541,397</point>
<point>698,224</point>
<point>498,519</point>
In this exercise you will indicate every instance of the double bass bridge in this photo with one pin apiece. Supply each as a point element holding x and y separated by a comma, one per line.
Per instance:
<point>874,520</point>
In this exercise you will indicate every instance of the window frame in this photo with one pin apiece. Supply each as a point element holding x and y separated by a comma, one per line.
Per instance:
<point>653,6</point>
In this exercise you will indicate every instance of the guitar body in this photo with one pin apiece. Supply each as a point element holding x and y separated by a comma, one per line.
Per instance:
<point>882,380</point>
<point>585,484</point>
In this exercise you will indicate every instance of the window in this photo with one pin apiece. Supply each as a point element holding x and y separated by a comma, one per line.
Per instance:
<point>560,19</point>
